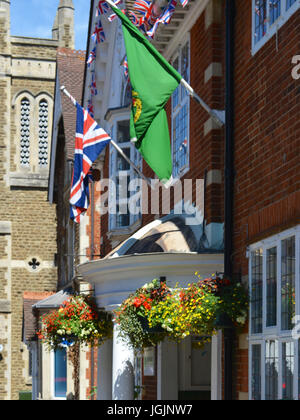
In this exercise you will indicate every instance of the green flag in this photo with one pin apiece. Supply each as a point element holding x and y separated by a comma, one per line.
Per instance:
<point>153,81</point>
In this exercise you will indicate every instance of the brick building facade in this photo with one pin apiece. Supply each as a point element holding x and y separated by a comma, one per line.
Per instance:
<point>263,243</point>
<point>242,58</point>
<point>266,191</point>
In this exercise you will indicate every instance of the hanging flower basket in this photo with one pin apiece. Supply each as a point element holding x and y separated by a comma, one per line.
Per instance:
<point>132,316</point>
<point>212,304</point>
<point>76,321</point>
<point>146,327</point>
<point>155,311</point>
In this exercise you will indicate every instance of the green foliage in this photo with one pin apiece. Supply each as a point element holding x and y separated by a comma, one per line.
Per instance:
<point>180,312</point>
<point>77,320</point>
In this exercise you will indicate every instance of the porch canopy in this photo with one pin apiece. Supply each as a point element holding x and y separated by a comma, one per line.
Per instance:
<point>168,247</point>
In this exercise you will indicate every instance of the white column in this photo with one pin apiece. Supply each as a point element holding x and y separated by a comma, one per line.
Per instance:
<point>167,371</point>
<point>104,379</point>
<point>123,369</point>
<point>216,366</point>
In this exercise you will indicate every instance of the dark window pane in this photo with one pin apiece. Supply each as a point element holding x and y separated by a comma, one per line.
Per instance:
<point>60,373</point>
<point>271,286</point>
<point>287,283</point>
<point>256,372</point>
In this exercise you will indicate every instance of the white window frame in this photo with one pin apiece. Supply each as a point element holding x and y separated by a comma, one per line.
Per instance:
<point>271,29</point>
<point>275,332</point>
<point>135,157</point>
<point>175,111</point>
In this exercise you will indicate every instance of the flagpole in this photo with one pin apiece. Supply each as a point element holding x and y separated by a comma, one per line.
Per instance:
<point>217,116</point>
<point>64,90</point>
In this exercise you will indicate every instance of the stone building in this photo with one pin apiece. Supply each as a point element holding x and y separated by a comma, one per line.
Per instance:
<point>28,241</point>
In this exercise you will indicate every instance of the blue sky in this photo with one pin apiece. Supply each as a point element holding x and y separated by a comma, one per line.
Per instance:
<point>34,18</point>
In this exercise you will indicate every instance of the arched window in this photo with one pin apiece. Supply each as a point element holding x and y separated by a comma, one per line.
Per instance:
<point>25,132</point>
<point>43,133</point>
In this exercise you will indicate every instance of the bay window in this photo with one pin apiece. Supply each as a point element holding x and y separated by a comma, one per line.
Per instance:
<point>121,175</point>
<point>274,281</point>
<point>181,114</point>
<point>267,17</point>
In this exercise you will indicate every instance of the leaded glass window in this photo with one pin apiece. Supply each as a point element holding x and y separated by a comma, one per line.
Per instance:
<point>274,10</point>
<point>271,370</point>
<point>274,279</point>
<point>260,19</point>
<point>256,372</point>
<point>287,283</point>
<point>289,3</point>
<point>288,367</point>
<point>256,292</point>
<point>122,175</point>
<point>271,286</point>
<point>180,114</point>
<point>268,17</point>
<point>43,133</point>
<point>25,132</point>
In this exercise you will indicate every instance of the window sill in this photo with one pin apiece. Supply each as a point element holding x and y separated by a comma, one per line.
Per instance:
<point>274,28</point>
<point>30,180</point>
<point>121,234</point>
<point>182,172</point>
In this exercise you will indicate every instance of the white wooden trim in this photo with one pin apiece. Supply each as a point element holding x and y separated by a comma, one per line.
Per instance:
<point>275,332</point>
<point>273,28</point>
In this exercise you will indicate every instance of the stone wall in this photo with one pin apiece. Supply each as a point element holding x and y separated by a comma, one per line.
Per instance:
<point>27,220</point>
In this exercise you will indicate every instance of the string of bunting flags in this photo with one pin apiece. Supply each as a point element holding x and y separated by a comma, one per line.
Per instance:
<point>151,14</point>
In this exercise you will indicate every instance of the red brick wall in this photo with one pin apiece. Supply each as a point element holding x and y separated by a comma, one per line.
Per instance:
<point>206,152</point>
<point>267,133</point>
<point>91,373</point>
<point>94,250</point>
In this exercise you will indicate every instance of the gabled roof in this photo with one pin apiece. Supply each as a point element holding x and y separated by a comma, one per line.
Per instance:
<point>29,320</point>
<point>55,300</point>
<point>70,72</point>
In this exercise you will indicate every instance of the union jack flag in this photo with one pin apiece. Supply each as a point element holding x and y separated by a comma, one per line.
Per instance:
<point>135,20</point>
<point>125,67</point>
<point>146,9</point>
<point>103,7</point>
<point>184,2</point>
<point>98,34</point>
<point>143,6</point>
<point>90,108</point>
<point>113,15</point>
<point>164,18</point>
<point>90,176</point>
<point>94,90</point>
<point>89,143</point>
<point>92,57</point>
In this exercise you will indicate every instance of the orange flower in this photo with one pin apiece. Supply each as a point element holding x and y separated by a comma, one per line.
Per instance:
<point>137,302</point>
